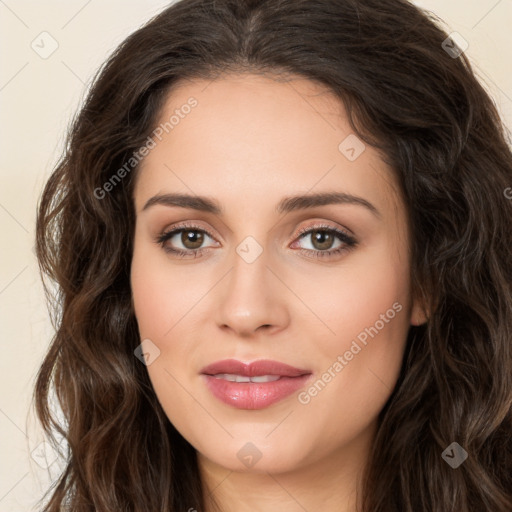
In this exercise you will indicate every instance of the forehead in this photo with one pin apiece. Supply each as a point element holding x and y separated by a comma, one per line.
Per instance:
<point>257,137</point>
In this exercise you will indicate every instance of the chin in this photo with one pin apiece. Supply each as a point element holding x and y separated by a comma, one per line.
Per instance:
<point>251,457</point>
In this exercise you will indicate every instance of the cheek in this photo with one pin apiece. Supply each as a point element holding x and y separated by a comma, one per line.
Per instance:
<point>166,303</point>
<point>161,302</point>
<point>162,296</point>
<point>356,296</point>
<point>368,310</point>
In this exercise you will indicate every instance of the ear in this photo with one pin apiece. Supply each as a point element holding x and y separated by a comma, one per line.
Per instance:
<point>419,313</point>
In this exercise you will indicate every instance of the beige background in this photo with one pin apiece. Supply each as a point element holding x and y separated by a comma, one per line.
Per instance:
<point>37,100</point>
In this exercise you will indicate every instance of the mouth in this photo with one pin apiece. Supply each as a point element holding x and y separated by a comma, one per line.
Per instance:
<point>231,377</point>
<point>253,386</point>
<point>259,368</point>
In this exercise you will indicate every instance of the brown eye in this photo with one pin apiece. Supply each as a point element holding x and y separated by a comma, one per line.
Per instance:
<point>192,238</point>
<point>322,239</point>
<point>185,240</point>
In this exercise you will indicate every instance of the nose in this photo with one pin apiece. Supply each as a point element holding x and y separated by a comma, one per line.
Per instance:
<point>252,298</point>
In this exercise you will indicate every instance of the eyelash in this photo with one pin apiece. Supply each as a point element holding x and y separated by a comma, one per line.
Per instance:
<point>348,241</point>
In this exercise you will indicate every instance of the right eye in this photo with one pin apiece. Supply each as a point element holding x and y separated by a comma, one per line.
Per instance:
<point>190,237</point>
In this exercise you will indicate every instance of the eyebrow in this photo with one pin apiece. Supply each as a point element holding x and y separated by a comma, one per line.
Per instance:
<point>286,205</point>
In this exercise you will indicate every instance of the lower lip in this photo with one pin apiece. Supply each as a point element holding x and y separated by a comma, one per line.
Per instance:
<point>254,395</point>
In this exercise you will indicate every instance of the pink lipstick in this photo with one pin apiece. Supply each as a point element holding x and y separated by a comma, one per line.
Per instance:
<point>253,386</point>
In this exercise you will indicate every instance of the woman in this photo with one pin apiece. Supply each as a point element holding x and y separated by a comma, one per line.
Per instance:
<point>281,238</point>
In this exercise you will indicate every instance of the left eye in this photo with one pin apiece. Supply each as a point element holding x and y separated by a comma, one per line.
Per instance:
<point>322,239</point>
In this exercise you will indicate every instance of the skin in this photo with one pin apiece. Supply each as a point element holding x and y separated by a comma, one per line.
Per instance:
<point>248,143</point>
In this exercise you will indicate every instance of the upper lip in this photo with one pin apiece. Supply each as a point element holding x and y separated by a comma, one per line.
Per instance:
<point>254,369</point>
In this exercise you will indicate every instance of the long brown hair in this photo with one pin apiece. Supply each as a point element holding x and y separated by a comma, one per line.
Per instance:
<point>423,108</point>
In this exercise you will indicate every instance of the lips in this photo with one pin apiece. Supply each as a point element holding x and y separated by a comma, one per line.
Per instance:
<point>254,369</point>
<point>253,386</point>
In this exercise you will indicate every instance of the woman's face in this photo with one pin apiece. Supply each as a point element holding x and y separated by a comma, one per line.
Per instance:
<point>334,304</point>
